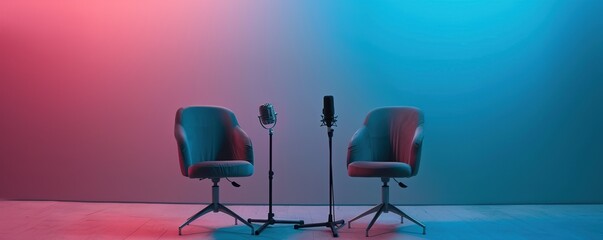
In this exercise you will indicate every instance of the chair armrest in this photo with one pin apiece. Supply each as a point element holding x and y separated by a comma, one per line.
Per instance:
<point>418,138</point>
<point>183,149</point>
<point>417,146</point>
<point>359,148</point>
<point>243,139</point>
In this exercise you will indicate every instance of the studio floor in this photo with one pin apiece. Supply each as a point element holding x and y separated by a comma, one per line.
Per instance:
<point>77,220</point>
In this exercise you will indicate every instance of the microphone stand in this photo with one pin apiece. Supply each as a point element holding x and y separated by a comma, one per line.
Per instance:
<point>333,225</point>
<point>270,220</point>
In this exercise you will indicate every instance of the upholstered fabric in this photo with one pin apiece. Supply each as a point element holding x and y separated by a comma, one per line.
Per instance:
<point>390,135</point>
<point>211,144</point>
<point>379,169</point>
<point>217,169</point>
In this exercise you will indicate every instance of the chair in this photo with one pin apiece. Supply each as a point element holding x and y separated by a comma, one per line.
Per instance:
<point>387,146</point>
<point>212,145</point>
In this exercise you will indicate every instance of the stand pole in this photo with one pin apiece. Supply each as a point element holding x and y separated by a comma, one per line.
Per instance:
<point>270,177</point>
<point>270,220</point>
<point>333,225</point>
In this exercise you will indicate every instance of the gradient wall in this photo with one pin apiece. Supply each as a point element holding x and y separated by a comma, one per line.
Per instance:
<point>511,92</point>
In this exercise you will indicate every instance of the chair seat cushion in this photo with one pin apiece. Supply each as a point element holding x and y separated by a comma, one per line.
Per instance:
<point>220,169</point>
<point>378,169</point>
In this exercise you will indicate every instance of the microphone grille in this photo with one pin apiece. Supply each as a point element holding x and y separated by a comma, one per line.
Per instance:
<point>267,114</point>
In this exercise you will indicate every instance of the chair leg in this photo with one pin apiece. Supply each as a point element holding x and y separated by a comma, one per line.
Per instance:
<point>226,210</point>
<point>205,210</point>
<point>374,219</point>
<point>372,210</point>
<point>404,215</point>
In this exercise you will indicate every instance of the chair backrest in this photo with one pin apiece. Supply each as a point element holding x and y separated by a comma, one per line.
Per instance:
<point>389,134</point>
<point>209,133</point>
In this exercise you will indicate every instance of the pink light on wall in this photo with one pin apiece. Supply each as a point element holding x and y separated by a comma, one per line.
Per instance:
<point>89,90</point>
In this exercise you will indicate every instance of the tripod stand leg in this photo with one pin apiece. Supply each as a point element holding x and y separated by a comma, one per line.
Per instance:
<point>332,225</point>
<point>257,220</point>
<point>289,221</point>
<point>257,232</point>
<point>271,221</point>
<point>334,231</point>
<point>335,226</point>
<point>298,226</point>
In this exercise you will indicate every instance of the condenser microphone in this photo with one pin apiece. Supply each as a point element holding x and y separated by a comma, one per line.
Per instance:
<point>328,111</point>
<point>267,114</point>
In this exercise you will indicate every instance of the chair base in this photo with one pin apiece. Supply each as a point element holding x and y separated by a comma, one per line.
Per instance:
<point>215,206</point>
<point>380,209</point>
<point>385,207</point>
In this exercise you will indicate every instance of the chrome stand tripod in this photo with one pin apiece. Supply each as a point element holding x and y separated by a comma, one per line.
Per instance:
<point>330,223</point>
<point>270,220</point>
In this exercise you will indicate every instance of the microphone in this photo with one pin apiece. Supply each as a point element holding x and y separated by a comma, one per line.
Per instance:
<point>267,114</point>
<point>328,111</point>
